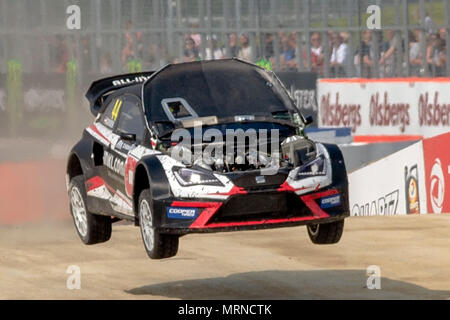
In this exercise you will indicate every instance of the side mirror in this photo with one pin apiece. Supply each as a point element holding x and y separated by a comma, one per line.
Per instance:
<point>131,137</point>
<point>309,120</point>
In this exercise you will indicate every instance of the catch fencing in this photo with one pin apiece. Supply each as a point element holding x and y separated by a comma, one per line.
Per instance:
<point>117,35</point>
<point>45,67</point>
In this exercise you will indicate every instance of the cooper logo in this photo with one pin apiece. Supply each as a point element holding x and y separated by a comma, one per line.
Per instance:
<point>346,115</point>
<point>331,201</point>
<point>181,213</point>
<point>437,186</point>
<point>433,114</point>
<point>388,114</point>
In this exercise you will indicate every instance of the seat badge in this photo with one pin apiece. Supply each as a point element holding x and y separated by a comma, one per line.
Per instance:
<point>260,179</point>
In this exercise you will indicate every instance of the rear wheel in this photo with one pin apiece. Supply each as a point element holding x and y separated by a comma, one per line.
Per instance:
<point>327,233</point>
<point>91,228</point>
<point>157,245</point>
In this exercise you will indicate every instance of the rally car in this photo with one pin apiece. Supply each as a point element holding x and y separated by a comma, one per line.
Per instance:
<point>202,147</point>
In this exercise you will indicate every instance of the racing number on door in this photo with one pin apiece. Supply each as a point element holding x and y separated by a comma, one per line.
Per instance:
<point>116,109</point>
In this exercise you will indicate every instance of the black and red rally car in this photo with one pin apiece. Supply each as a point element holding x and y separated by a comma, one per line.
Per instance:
<point>149,157</point>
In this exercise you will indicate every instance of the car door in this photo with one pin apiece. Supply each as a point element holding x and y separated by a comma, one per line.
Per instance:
<point>129,129</point>
<point>100,181</point>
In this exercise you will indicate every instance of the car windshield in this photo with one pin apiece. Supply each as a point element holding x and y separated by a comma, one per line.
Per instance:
<point>222,88</point>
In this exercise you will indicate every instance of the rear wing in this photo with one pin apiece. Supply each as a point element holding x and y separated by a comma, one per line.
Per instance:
<point>105,86</point>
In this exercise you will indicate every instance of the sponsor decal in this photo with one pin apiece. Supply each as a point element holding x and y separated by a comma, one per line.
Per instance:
<point>386,205</point>
<point>130,168</point>
<point>339,115</point>
<point>108,122</point>
<point>331,201</point>
<point>116,109</point>
<point>302,88</point>
<point>388,114</point>
<point>433,114</point>
<point>114,163</point>
<point>412,190</point>
<point>127,81</point>
<point>306,99</point>
<point>181,213</point>
<point>437,173</point>
<point>124,146</point>
<point>437,187</point>
<point>385,107</point>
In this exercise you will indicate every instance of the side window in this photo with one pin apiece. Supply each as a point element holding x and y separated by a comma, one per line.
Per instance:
<point>131,119</point>
<point>109,116</point>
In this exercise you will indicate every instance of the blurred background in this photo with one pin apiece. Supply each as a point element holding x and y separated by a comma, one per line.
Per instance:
<point>46,68</point>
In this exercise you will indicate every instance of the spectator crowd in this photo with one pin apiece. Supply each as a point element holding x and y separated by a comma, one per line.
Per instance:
<point>379,54</point>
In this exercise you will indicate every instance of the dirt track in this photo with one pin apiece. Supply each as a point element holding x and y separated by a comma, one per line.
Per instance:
<point>413,253</point>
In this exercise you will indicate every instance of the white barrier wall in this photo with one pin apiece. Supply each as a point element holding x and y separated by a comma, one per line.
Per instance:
<point>394,185</point>
<point>382,107</point>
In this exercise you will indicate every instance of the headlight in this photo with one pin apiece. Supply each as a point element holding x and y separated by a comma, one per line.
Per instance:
<point>316,167</point>
<point>190,177</point>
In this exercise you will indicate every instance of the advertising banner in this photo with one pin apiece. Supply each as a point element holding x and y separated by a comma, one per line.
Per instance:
<point>302,87</point>
<point>414,107</point>
<point>437,173</point>
<point>394,185</point>
<point>43,94</point>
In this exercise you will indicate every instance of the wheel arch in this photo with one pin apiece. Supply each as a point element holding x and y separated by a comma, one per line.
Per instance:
<point>74,167</point>
<point>79,160</point>
<point>149,174</point>
<point>337,162</point>
<point>340,176</point>
<point>141,182</point>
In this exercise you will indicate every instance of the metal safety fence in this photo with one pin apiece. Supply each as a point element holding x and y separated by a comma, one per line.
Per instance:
<point>46,66</point>
<point>328,37</point>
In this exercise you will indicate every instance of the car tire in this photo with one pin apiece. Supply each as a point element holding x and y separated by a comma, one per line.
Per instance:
<point>157,245</point>
<point>326,233</point>
<point>91,228</point>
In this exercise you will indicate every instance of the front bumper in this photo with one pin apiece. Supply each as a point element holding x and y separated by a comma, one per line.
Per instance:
<point>252,211</point>
<point>252,225</point>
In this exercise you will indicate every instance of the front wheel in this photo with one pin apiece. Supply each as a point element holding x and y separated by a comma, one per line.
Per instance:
<point>157,245</point>
<point>327,233</point>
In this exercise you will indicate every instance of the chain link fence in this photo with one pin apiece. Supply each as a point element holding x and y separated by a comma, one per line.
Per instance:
<point>45,68</point>
<point>329,37</point>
